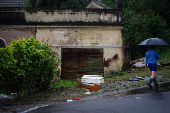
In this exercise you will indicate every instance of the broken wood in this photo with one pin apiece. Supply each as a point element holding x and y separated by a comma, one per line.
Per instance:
<point>165,64</point>
<point>137,60</point>
<point>89,86</point>
<point>140,63</point>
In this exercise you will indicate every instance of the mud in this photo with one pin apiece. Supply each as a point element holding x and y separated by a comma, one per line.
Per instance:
<point>25,102</point>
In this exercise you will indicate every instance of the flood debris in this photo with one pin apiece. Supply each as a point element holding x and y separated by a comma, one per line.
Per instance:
<point>138,63</point>
<point>95,79</point>
<point>76,98</point>
<point>141,78</point>
<point>138,98</point>
<point>87,93</point>
<point>70,100</point>
<point>91,82</point>
<point>136,79</point>
<point>165,64</point>
<point>2,96</point>
<point>133,79</point>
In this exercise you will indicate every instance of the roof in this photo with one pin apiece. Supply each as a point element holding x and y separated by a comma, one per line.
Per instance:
<point>12,3</point>
<point>99,4</point>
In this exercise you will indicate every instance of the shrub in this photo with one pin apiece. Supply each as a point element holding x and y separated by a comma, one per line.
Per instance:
<point>27,65</point>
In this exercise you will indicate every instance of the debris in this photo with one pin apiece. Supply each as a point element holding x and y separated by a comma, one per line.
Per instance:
<point>138,98</point>
<point>95,79</point>
<point>91,82</point>
<point>165,64</point>
<point>2,97</point>
<point>92,87</point>
<point>76,98</point>
<point>140,63</point>
<point>133,79</point>
<point>141,78</point>
<point>87,93</point>
<point>13,93</point>
<point>70,100</point>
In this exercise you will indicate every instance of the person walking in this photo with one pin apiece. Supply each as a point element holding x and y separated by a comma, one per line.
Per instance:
<point>151,57</point>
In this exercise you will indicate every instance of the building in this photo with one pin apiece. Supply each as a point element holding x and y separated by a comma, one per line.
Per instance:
<point>96,5</point>
<point>89,41</point>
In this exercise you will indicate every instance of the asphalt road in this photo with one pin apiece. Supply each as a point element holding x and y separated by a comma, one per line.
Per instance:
<point>136,103</point>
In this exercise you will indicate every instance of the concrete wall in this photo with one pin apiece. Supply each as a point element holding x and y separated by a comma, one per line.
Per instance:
<point>107,37</point>
<point>68,28</point>
<point>74,16</point>
<point>45,16</point>
<point>8,33</point>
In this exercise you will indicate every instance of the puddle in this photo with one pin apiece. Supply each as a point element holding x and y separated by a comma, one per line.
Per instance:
<point>8,104</point>
<point>33,108</point>
<point>163,87</point>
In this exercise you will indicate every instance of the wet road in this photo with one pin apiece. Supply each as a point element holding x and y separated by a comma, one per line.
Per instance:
<point>137,103</point>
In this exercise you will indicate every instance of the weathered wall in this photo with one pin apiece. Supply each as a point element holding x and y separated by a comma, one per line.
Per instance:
<point>107,37</point>
<point>78,16</point>
<point>45,16</point>
<point>8,33</point>
<point>68,28</point>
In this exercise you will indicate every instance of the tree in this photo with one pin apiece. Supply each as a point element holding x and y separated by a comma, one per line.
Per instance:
<point>142,21</point>
<point>57,3</point>
<point>75,4</point>
<point>110,3</point>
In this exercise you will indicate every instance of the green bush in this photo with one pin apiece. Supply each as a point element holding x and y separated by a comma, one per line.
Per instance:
<point>27,65</point>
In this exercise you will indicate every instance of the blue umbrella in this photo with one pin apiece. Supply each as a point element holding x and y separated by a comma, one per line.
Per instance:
<point>153,41</point>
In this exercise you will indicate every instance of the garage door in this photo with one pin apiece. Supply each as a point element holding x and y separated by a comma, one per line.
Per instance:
<point>77,62</point>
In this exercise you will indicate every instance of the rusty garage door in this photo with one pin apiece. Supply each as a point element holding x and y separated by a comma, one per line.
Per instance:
<point>77,62</point>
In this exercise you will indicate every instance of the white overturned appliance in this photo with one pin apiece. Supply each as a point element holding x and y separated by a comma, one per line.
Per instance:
<point>96,79</point>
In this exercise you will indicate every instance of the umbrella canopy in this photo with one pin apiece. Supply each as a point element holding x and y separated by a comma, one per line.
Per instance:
<point>153,41</point>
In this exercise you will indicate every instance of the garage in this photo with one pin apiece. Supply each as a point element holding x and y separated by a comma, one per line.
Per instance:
<point>77,62</point>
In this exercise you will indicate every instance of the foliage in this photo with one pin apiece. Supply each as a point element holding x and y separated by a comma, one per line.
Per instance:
<point>110,3</point>
<point>142,21</point>
<point>27,65</point>
<point>165,56</point>
<point>75,4</point>
<point>57,3</point>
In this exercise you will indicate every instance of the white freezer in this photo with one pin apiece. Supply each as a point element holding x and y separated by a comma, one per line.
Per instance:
<point>96,79</point>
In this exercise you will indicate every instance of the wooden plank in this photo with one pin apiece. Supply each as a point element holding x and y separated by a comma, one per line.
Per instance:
<point>77,62</point>
<point>88,86</point>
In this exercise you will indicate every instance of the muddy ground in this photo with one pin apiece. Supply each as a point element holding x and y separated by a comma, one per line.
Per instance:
<point>112,85</point>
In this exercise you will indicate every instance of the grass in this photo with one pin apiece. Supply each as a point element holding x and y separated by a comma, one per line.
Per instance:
<point>165,56</point>
<point>111,82</point>
<point>65,84</point>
